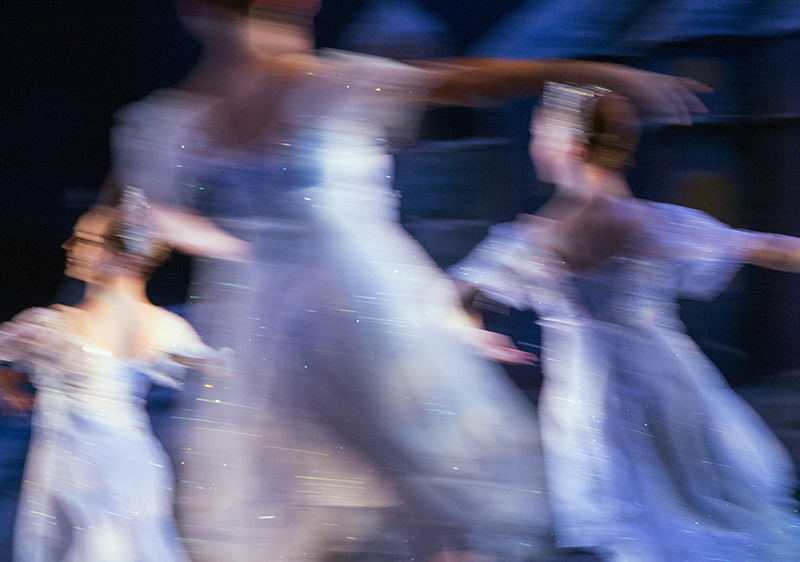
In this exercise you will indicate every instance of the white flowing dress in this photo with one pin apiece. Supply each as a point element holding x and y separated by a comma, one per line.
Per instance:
<point>97,484</point>
<point>649,454</point>
<point>355,388</point>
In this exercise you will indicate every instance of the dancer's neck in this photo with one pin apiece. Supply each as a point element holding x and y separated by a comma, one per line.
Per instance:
<point>121,290</point>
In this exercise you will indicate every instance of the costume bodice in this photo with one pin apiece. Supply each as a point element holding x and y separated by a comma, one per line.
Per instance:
<point>78,380</point>
<point>680,252</point>
<point>328,129</point>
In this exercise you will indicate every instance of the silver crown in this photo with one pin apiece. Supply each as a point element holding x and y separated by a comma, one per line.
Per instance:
<point>135,233</point>
<point>572,107</point>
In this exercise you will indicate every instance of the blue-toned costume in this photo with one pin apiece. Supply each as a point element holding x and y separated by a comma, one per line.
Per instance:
<point>649,454</point>
<point>355,392</point>
<point>97,484</point>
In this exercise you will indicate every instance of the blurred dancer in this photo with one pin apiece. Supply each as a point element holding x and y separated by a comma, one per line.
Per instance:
<point>98,486</point>
<point>649,454</point>
<point>358,397</point>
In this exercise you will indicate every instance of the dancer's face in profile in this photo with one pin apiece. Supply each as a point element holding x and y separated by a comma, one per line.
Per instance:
<point>88,250</point>
<point>556,154</point>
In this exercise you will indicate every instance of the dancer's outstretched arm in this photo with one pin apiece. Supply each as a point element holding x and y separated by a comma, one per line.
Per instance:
<point>657,96</point>
<point>183,228</point>
<point>486,343</point>
<point>775,251</point>
<point>193,234</point>
<point>475,81</point>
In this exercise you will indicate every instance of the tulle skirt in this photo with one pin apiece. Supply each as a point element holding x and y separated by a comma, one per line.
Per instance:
<point>357,413</point>
<point>650,454</point>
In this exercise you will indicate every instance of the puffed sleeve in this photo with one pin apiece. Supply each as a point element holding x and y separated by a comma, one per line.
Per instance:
<point>706,253</point>
<point>177,347</point>
<point>29,341</point>
<point>496,266</point>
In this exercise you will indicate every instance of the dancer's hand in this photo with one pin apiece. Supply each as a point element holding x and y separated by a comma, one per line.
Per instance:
<point>14,398</point>
<point>214,362</point>
<point>500,348</point>
<point>660,97</point>
<point>195,235</point>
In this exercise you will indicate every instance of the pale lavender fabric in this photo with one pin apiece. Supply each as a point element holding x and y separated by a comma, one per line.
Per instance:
<point>649,454</point>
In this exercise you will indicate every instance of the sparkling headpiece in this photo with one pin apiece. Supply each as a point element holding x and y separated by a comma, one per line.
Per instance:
<point>572,107</point>
<point>135,232</point>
